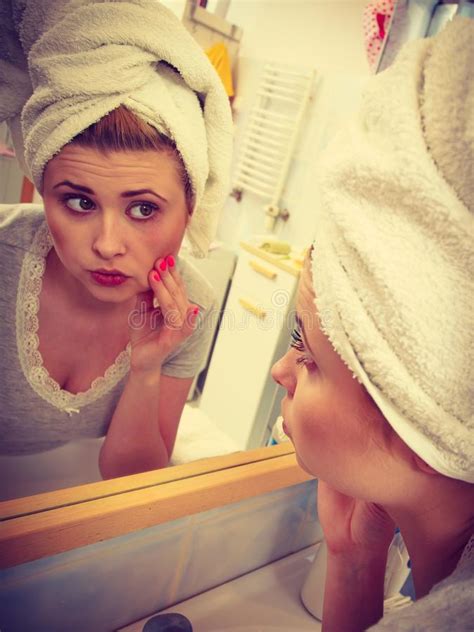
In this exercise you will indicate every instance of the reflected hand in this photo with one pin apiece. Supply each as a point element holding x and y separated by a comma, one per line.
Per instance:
<point>156,331</point>
<point>352,526</point>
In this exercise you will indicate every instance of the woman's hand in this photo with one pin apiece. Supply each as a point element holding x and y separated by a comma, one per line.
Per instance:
<point>156,331</point>
<point>358,534</point>
<point>351,526</point>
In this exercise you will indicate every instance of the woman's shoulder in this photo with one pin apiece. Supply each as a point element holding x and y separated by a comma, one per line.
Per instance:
<point>19,223</point>
<point>448,605</point>
<point>199,290</point>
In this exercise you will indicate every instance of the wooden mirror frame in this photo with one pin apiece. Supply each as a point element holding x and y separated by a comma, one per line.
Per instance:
<point>47,524</point>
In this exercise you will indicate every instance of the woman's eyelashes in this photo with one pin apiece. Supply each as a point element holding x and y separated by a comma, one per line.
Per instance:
<point>296,340</point>
<point>77,203</point>
<point>81,205</point>
<point>298,344</point>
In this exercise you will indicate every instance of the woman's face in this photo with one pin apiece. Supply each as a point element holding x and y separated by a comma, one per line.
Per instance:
<point>326,411</point>
<point>116,211</point>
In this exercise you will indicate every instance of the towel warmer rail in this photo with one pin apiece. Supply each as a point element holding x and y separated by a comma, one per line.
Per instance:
<point>271,135</point>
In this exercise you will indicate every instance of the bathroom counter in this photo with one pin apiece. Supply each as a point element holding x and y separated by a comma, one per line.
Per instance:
<point>264,600</point>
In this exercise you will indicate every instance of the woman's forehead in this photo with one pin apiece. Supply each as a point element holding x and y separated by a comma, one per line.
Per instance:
<point>305,303</point>
<point>92,167</point>
<point>305,286</point>
<point>130,159</point>
<point>308,315</point>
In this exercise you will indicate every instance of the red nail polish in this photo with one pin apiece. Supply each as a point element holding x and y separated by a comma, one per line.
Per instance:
<point>196,310</point>
<point>170,261</point>
<point>156,276</point>
<point>163,265</point>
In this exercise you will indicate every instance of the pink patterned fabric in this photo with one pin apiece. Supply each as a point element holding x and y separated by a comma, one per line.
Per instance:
<point>376,19</point>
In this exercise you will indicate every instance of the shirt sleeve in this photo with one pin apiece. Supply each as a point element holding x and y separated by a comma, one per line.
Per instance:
<point>187,359</point>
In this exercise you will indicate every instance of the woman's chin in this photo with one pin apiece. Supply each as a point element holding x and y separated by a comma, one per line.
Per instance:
<point>303,465</point>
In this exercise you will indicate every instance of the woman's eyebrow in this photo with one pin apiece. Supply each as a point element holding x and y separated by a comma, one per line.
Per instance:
<point>140,192</point>
<point>299,322</point>
<point>78,187</point>
<point>125,194</point>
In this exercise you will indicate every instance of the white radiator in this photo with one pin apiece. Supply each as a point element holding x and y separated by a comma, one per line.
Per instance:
<point>271,133</point>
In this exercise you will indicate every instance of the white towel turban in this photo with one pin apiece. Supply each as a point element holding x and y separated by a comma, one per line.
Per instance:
<point>393,259</point>
<point>80,59</point>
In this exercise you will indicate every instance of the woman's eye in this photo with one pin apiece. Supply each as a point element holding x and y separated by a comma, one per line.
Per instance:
<point>298,344</point>
<point>78,203</point>
<point>143,210</point>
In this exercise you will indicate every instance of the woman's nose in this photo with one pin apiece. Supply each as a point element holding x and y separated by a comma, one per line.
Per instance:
<point>284,374</point>
<point>108,241</point>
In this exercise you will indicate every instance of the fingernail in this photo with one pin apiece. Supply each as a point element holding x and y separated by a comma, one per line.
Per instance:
<point>196,310</point>
<point>156,276</point>
<point>170,261</point>
<point>163,265</point>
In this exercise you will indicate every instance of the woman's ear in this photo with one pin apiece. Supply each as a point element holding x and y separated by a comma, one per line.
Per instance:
<point>423,466</point>
<point>409,456</point>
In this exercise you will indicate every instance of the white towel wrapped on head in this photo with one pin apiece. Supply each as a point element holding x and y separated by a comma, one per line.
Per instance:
<point>393,259</point>
<point>86,58</point>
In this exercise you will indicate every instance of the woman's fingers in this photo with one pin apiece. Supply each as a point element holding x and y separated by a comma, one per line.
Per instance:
<point>192,316</point>
<point>170,292</point>
<point>173,272</point>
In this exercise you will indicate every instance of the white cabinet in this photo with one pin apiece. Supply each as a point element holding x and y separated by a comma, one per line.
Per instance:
<point>239,394</point>
<point>217,268</point>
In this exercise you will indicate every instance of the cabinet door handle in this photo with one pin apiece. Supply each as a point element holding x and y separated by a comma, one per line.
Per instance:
<point>261,269</point>
<point>252,308</point>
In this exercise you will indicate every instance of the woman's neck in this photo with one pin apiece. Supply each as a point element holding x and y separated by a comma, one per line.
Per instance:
<point>436,532</point>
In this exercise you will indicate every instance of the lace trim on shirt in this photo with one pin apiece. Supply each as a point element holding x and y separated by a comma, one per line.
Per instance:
<point>468,552</point>
<point>27,324</point>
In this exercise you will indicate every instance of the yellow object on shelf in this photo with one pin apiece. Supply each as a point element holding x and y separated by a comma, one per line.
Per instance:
<point>219,58</point>
<point>263,270</point>
<point>276,247</point>
<point>252,308</point>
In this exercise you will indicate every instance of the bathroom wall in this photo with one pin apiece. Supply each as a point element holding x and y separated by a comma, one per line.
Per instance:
<point>326,36</point>
<point>110,584</point>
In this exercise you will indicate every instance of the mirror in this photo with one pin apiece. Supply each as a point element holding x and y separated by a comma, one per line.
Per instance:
<point>233,388</point>
<point>48,524</point>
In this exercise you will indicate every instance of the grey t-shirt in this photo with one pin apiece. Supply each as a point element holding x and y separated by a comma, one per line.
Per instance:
<point>35,413</point>
<point>448,606</point>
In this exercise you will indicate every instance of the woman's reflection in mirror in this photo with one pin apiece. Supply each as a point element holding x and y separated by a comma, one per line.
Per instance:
<point>104,323</point>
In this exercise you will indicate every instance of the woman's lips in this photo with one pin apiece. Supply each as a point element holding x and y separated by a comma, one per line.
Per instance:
<point>109,279</point>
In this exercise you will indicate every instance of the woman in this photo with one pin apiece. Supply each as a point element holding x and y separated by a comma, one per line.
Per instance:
<point>386,298</point>
<point>127,139</point>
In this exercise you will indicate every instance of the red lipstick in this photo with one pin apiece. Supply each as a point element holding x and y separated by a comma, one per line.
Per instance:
<point>109,278</point>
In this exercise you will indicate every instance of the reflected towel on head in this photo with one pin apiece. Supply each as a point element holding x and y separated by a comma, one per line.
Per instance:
<point>80,59</point>
<point>393,258</point>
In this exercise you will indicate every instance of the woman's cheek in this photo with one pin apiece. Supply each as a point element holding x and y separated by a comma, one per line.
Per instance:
<point>308,429</point>
<point>57,230</point>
